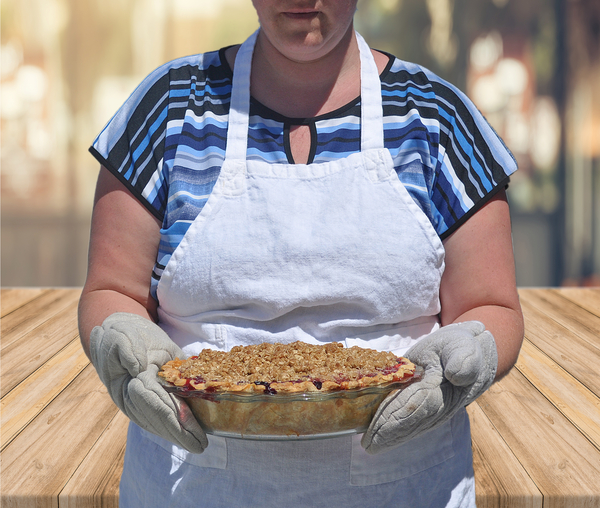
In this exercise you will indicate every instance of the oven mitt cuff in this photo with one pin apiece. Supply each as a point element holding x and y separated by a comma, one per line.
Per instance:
<point>127,352</point>
<point>460,362</point>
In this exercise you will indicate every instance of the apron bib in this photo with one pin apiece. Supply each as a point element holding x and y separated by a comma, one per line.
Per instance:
<point>337,251</point>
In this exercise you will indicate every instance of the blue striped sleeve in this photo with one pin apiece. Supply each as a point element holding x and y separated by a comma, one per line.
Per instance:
<point>470,162</point>
<point>133,144</point>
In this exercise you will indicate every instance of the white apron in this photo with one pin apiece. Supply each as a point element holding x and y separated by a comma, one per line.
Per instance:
<point>337,251</point>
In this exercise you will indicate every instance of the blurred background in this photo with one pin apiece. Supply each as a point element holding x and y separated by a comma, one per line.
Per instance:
<point>531,66</point>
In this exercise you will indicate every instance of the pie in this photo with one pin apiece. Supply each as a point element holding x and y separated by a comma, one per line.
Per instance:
<point>287,368</point>
<point>287,391</point>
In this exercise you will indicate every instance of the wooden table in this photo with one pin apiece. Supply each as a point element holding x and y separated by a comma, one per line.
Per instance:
<point>536,434</point>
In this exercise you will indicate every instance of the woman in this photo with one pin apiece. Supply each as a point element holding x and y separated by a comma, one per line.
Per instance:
<point>353,198</point>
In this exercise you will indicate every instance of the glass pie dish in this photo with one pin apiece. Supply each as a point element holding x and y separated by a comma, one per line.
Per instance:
<point>287,416</point>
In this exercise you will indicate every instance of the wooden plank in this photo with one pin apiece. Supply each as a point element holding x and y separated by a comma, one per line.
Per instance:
<point>39,462</point>
<point>28,317</point>
<point>13,298</point>
<point>30,397</point>
<point>587,298</point>
<point>96,481</point>
<point>22,358</point>
<point>570,315</point>
<point>500,480</point>
<point>567,347</point>
<point>561,461</point>
<point>571,398</point>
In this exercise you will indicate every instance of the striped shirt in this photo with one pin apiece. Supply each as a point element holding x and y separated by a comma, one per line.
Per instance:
<point>167,142</point>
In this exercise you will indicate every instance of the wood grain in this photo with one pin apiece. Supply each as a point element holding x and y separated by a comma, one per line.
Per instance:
<point>22,358</point>
<point>31,396</point>
<point>12,299</point>
<point>501,481</point>
<point>28,317</point>
<point>572,349</point>
<point>96,481</point>
<point>561,461</point>
<point>580,405</point>
<point>44,456</point>
<point>587,298</point>
<point>573,317</point>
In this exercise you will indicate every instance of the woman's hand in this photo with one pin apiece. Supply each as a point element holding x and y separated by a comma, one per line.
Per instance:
<point>127,351</point>
<point>460,363</point>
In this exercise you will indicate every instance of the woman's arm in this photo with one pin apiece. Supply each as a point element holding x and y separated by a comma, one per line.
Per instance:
<point>123,247</point>
<point>479,281</point>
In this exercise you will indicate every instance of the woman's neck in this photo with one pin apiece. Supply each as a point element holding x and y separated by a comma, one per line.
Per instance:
<point>306,89</point>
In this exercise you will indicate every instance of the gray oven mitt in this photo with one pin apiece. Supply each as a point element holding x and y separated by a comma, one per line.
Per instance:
<point>127,351</point>
<point>460,362</point>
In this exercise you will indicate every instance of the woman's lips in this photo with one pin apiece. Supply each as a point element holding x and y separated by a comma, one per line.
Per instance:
<point>302,15</point>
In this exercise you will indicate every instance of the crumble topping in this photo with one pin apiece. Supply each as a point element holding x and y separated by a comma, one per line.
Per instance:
<point>287,367</point>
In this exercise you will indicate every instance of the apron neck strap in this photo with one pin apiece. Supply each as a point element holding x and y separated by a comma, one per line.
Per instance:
<point>371,106</point>
<point>239,112</point>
